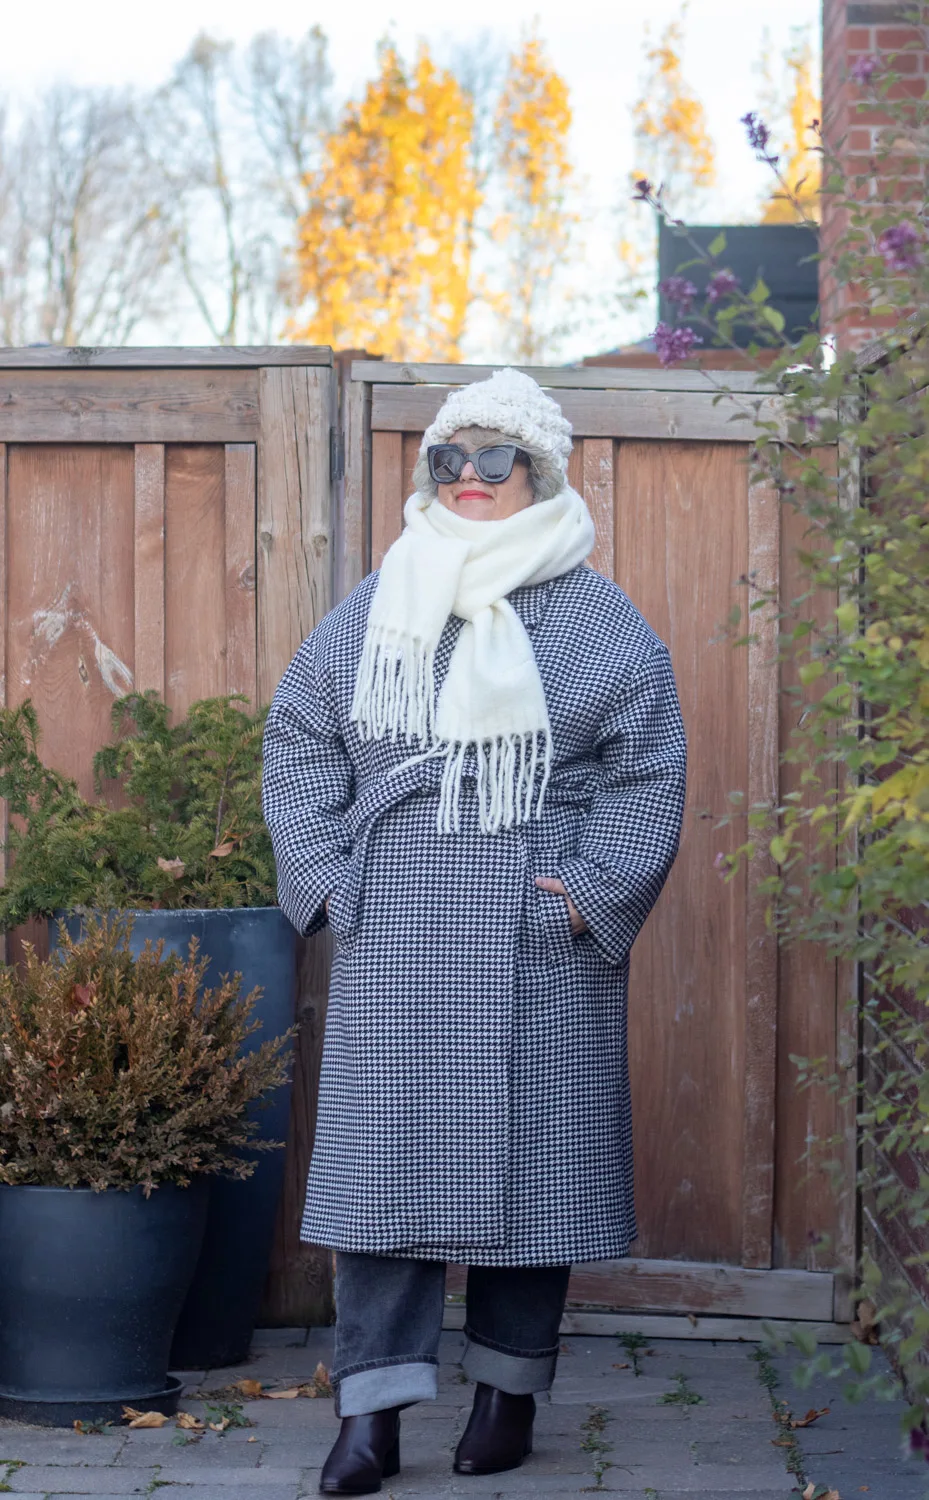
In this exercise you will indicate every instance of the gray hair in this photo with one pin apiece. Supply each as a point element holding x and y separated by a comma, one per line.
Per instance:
<point>546,476</point>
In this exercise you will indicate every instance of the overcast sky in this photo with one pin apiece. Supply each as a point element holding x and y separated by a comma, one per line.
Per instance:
<point>597,45</point>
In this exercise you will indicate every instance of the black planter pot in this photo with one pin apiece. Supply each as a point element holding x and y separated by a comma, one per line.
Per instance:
<point>91,1285</point>
<point>218,1317</point>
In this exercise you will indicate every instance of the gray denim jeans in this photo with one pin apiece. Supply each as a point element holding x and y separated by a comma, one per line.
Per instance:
<point>389,1318</point>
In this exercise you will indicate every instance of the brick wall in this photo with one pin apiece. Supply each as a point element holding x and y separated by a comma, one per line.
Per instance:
<point>853,30</point>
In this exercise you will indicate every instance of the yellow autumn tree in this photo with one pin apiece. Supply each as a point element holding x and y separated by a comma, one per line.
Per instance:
<point>534,226</point>
<point>793,137</point>
<point>384,247</point>
<point>673,145</point>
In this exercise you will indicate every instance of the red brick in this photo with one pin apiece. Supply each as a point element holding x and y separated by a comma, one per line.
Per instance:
<point>895,36</point>
<point>859,139</point>
<point>858,36</point>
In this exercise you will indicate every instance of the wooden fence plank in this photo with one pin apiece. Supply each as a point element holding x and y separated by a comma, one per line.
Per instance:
<point>355,548</point>
<point>699,1287</point>
<point>295,578</point>
<point>161,406</point>
<point>3,630</point>
<point>386,492</point>
<point>295,522</point>
<point>149,567</point>
<point>598,492</point>
<point>241,618</point>
<point>760,942</point>
<point>195,574</point>
<point>603,377</point>
<point>600,413</point>
<point>79,357</point>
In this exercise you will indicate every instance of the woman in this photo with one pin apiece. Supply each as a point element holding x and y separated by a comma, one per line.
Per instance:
<point>474,769</point>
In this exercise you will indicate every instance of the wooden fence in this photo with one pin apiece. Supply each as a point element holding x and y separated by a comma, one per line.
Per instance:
<point>166,522</point>
<point>178,519</point>
<point>730,1223</point>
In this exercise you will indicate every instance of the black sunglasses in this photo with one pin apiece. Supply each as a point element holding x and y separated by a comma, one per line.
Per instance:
<point>493,465</point>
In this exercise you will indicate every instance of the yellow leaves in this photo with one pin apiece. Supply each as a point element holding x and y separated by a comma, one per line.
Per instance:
<point>800,159</point>
<point>251,1389</point>
<point>385,245</point>
<point>671,132</point>
<point>189,1423</point>
<point>144,1418</point>
<point>320,1385</point>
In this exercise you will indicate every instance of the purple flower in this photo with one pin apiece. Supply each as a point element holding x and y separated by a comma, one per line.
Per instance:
<point>901,247</point>
<point>679,291</point>
<point>864,69</point>
<point>643,190</point>
<point>721,284</point>
<point>673,344</point>
<point>721,865</point>
<point>758,135</point>
<point>919,1441</point>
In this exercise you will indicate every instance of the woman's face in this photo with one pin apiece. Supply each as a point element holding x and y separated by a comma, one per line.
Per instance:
<point>473,497</point>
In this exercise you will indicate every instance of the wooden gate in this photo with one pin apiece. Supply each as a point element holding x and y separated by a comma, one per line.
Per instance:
<point>166,522</point>
<point>731,1225</point>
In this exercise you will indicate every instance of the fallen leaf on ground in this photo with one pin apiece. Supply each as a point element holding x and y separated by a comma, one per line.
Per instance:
<point>816,1492</point>
<point>622,1367</point>
<point>783,1442</point>
<point>221,850</point>
<point>865,1325</point>
<point>322,1385</point>
<point>692,1319</point>
<point>189,1422</point>
<point>251,1440</point>
<point>811,1417</point>
<point>219,1426</point>
<point>143,1418</point>
<point>173,867</point>
<point>287,1395</point>
<point>250,1388</point>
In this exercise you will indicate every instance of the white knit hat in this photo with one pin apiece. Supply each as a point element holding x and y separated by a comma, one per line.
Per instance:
<point>510,403</point>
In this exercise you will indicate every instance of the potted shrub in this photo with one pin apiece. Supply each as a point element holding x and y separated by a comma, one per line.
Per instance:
<point>175,836</point>
<point>124,1090</point>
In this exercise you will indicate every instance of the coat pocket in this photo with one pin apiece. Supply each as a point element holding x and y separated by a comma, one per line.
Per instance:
<point>553,919</point>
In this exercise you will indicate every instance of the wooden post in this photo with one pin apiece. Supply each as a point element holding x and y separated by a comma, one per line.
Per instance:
<point>295,524</point>
<point>149,568</point>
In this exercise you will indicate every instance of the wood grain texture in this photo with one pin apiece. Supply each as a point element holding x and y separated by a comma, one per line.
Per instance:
<point>298,1291</point>
<point>86,357</point>
<point>561,377</point>
<point>760,941</point>
<point>674,1286</point>
<point>109,406</point>
<point>681,415</point>
<point>597,481</point>
<point>241,571</point>
<point>71,608</point>
<point>3,628</point>
<point>295,581</point>
<point>149,567</point>
<point>295,514</point>
<point>355,540</point>
<point>681,542</point>
<point>386,492</point>
<point>195,574</point>
<point>805,1202</point>
<point>656,1326</point>
<point>576,466</point>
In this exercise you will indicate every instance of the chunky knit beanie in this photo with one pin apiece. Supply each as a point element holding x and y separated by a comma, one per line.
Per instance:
<point>511,403</point>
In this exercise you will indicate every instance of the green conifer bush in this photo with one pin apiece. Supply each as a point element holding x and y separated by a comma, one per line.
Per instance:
<point>176,821</point>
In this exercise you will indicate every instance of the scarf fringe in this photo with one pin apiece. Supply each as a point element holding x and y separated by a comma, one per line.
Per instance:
<point>395,688</point>
<point>507,777</point>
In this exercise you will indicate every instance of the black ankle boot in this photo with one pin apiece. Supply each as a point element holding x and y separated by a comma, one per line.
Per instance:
<point>499,1433</point>
<point>366,1451</point>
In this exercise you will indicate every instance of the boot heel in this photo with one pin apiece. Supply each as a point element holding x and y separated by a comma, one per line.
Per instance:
<point>392,1461</point>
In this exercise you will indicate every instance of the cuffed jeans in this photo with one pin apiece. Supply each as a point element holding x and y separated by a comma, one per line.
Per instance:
<point>389,1318</point>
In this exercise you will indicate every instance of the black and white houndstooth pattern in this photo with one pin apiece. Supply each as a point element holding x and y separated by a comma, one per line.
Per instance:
<point>474,1102</point>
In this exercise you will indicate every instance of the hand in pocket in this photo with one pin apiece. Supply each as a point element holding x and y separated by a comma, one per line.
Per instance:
<point>556,888</point>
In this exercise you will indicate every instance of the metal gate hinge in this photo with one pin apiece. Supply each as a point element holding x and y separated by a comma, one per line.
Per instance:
<point>336,454</point>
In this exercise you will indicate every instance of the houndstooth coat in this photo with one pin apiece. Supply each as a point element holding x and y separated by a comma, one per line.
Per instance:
<point>474,1101</point>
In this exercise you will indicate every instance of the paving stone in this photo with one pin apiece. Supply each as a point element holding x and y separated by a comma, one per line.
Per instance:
<point>36,1445</point>
<point>222,1492</point>
<point>279,1338</point>
<point>69,1479</point>
<point>233,1479</point>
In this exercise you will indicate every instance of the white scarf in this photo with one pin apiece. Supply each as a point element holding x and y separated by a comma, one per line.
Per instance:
<point>492,696</point>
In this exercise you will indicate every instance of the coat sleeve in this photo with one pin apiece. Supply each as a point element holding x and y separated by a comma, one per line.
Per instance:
<point>630,837</point>
<point>306,791</point>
